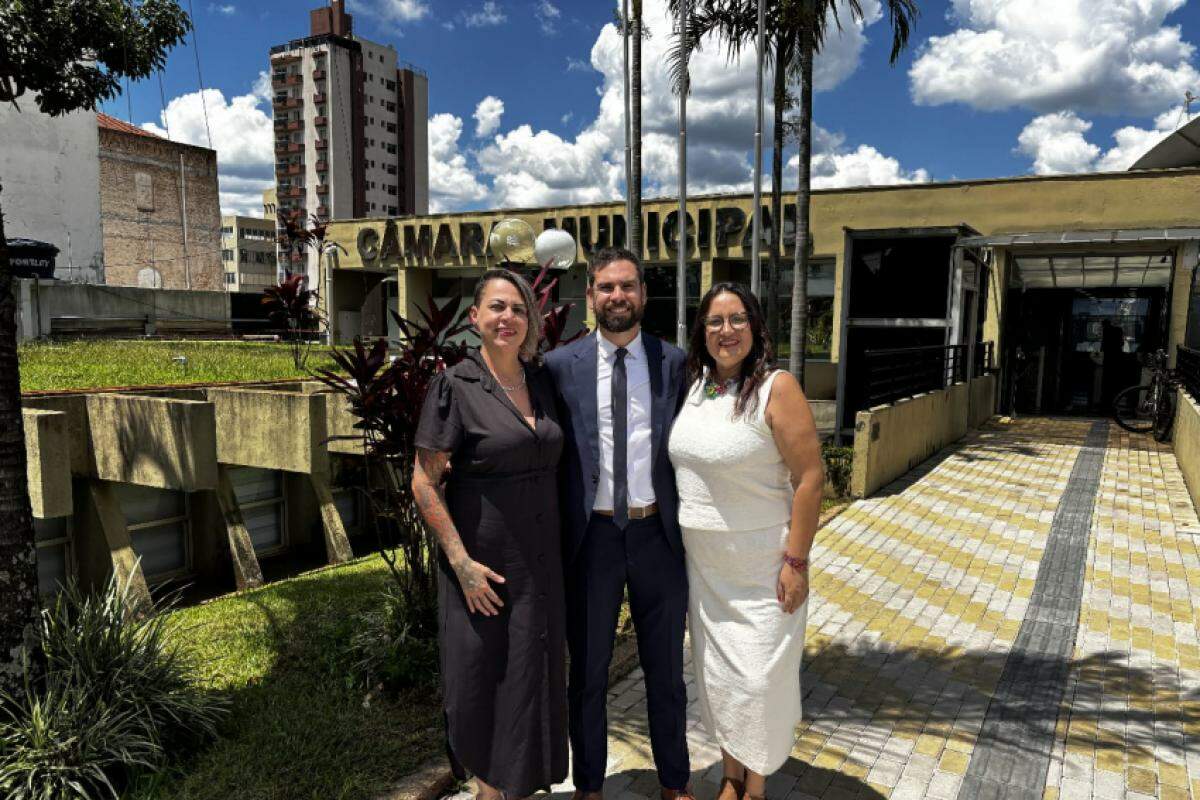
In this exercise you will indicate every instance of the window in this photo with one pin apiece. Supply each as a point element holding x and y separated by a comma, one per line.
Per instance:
<point>820,309</point>
<point>260,497</point>
<point>349,502</point>
<point>391,85</point>
<point>226,229</point>
<point>230,278</point>
<point>53,538</point>
<point>159,528</point>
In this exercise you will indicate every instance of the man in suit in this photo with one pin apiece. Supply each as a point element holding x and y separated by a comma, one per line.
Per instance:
<point>619,391</point>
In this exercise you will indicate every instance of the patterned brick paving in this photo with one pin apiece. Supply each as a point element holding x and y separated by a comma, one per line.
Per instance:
<point>919,595</point>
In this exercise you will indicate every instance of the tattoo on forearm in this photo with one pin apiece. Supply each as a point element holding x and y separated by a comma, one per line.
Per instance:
<point>431,502</point>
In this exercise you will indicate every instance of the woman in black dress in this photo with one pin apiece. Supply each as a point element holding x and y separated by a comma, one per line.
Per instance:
<point>489,428</point>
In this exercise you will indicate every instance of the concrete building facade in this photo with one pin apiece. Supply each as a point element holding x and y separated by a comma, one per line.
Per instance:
<point>50,178</point>
<point>248,253</point>
<point>351,136</point>
<point>1033,266</point>
<point>160,210</point>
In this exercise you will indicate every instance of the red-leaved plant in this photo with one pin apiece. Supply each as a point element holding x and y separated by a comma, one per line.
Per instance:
<point>385,390</point>
<point>292,307</point>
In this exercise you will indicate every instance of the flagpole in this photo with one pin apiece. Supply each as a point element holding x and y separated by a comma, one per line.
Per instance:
<point>681,223</point>
<point>628,145</point>
<point>756,248</point>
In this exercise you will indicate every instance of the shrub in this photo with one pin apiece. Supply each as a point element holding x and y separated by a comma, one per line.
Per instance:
<point>114,695</point>
<point>839,463</point>
<point>387,651</point>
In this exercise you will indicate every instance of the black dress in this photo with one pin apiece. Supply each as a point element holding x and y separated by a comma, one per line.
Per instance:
<point>503,677</point>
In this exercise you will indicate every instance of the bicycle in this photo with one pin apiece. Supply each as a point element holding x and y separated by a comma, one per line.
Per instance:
<point>1149,408</point>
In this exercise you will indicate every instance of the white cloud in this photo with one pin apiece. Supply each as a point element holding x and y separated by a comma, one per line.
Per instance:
<point>578,65</point>
<point>567,117</point>
<point>1105,56</point>
<point>391,12</point>
<point>487,116</point>
<point>241,134</point>
<point>451,182</point>
<point>1057,144</point>
<point>488,15</point>
<point>262,87</point>
<point>529,167</point>
<point>227,10</point>
<point>547,15</point>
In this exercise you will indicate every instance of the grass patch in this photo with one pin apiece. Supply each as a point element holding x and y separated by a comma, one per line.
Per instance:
<point>95,364</point>
<point>297,729</point>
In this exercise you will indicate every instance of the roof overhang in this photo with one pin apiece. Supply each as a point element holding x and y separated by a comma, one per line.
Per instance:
<point>1179,149</point>
<point>1043,239</point>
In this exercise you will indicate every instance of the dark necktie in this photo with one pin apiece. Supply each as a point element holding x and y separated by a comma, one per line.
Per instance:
<point>620,427</point>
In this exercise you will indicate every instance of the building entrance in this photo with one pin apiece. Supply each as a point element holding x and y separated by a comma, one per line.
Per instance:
<point>1071,350</point>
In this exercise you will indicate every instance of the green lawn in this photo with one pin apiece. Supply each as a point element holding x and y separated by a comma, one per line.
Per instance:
<point>297,729</point>
<point>94,364</point>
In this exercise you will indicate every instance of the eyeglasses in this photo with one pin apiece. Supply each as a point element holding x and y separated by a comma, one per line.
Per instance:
<point>736,321</point>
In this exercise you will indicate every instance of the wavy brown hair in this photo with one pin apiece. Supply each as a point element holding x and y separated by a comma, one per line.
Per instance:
<point>758,363</point>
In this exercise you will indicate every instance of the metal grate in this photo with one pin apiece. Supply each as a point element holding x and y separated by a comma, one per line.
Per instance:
<point>894,373</point>
<point>1187,370</point>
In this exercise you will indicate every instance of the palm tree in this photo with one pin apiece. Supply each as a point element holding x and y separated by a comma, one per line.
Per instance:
<point>64,56</point>
<point>795,30</point>
<point>635,130</point>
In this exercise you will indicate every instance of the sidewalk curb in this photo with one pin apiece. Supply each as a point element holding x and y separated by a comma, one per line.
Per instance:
<point>430,781</point>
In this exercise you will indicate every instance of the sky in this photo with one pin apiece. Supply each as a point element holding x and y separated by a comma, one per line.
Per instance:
<point>525,95</point>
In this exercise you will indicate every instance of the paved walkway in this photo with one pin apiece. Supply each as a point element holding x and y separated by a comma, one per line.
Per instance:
<point>1017,618</point>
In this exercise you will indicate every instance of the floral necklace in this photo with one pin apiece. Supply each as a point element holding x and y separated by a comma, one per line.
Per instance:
<point>714,389</point>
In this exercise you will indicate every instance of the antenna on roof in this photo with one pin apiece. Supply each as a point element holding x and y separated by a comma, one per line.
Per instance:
<point>1188,99</point>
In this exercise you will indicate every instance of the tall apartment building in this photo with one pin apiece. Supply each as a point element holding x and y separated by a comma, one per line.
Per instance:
<point>351,126</point>
<point>248,253</point>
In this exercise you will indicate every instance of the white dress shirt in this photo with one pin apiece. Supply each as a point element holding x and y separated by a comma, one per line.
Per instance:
<point>638,452</point>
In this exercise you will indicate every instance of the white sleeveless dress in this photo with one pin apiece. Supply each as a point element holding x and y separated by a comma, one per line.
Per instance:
<point>735,500</point>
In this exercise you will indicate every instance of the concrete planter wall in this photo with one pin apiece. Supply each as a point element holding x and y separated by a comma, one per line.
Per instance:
<point>890,440</point>
<point>1186,439</point>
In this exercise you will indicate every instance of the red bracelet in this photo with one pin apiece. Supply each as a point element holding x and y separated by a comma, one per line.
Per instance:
<point>795,563</point>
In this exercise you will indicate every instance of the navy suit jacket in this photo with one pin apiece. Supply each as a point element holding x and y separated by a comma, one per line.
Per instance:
<point>574,370</point>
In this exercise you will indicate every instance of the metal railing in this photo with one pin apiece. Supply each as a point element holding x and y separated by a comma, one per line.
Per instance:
<point>893,373</point>
<point>1187,370</point>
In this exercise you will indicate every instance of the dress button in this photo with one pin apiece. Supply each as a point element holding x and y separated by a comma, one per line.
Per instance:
<point>542,637</point>
<point>541,556</point>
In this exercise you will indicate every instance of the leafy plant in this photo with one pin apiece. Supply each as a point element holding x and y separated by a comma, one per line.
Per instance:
<point>386,396</point>
<point>292,306</point>
<point>386,651</point>
<point>115,696</point>
<point>839,465</point>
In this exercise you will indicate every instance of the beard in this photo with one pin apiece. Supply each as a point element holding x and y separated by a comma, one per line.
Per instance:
<point>619,321</point>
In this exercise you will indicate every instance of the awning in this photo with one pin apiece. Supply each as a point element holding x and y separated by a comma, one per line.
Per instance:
<point>1067,238</point>
<point>1113,270</point>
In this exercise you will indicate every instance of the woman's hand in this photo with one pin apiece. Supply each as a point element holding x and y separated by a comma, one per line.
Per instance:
<point>792,589</point>
<point>474,579</point>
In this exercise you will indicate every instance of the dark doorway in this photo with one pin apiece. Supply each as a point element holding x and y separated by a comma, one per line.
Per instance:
<point>1070,350</point>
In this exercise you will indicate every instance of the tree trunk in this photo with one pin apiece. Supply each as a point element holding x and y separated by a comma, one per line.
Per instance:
<point>635,125</point>
<point>779,94</point>
<point>18,555</point>
<point>799,337</point>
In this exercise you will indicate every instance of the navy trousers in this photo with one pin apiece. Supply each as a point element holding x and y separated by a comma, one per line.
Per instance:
<point>608,560</point>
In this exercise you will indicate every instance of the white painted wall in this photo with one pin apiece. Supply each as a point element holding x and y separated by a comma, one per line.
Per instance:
<point>50,174</point>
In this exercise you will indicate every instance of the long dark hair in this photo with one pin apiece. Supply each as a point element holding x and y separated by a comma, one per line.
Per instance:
<point>757,364</point>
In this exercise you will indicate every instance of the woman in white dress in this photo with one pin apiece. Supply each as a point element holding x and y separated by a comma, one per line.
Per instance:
<point>749,471</point>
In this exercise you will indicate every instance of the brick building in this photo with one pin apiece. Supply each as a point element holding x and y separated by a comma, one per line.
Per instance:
<point>160,210</point>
